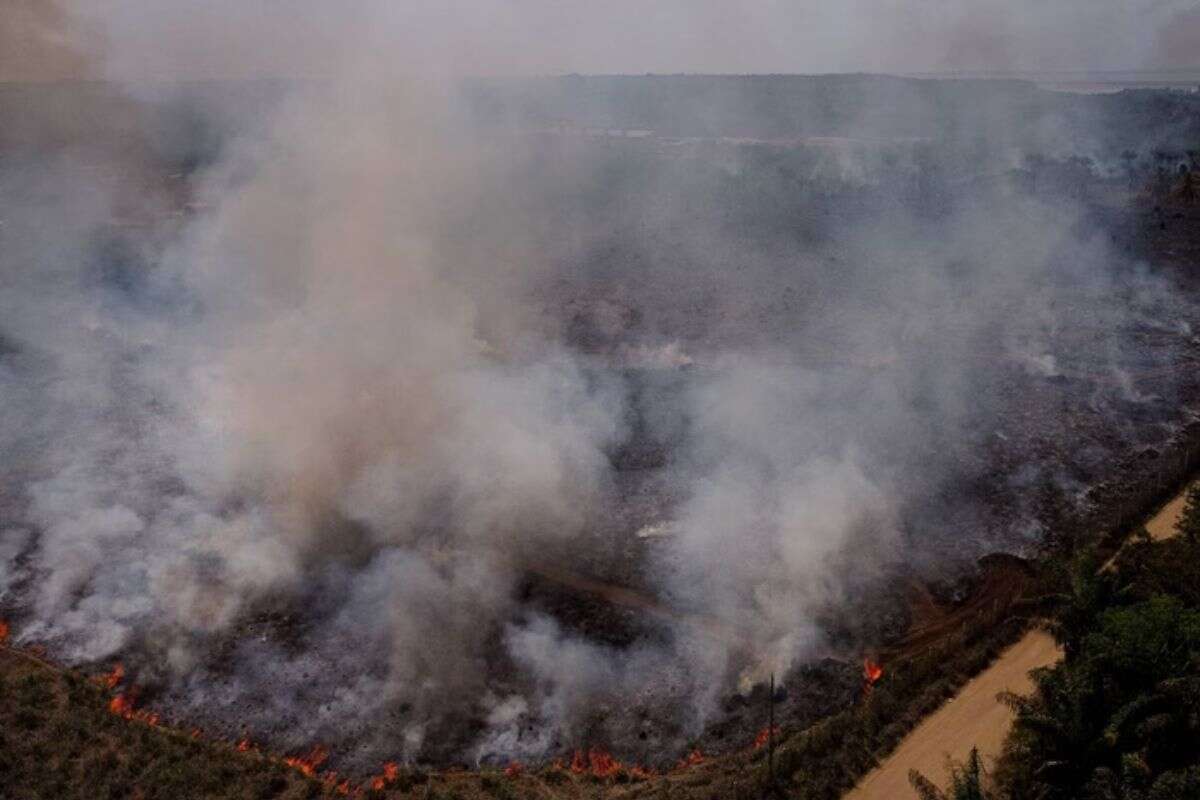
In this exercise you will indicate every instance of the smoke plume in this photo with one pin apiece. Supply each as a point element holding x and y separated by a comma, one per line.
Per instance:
<point>304,379</point>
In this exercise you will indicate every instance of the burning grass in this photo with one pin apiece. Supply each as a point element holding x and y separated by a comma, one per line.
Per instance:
<point>65,737</point>
<point>872,672</point>
<point>67,729</point>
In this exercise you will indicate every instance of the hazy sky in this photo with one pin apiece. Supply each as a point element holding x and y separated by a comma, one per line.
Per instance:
<point>238,38</point>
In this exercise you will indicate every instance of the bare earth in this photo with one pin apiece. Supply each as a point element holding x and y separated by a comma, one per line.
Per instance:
<point>1162,524</point>
<point>973,717</point>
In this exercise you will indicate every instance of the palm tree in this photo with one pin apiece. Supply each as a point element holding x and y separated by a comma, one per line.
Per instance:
<point>966,782</point>
<point>1056,728</point>
<point>1088,592</point>
<point>1188,525</point>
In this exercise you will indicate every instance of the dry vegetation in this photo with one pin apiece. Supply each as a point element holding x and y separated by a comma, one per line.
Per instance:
<point>60,740</point>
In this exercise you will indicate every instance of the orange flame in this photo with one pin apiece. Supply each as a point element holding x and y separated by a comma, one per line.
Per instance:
<point>123,706</point>
<point>110,679</point>
<point>330,779</point>
<point>596,762</point>
<point>308,763</point>
<point>640,773</point>
<point>872,672</point>
<point>390,773</point>
<point>692,759</point>
<point>4,631</point>
<point>514,769</point>
<point>764,736</point>
<point>603,765</point>
<point>244,745</point>
<point>120,705</point>
<point>600,764</point>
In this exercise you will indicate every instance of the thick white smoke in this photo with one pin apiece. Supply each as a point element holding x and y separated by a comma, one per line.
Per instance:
<point>296,449</point>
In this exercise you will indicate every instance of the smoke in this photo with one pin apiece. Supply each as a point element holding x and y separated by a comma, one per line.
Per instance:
<point>192,40</point>
<point>293,415</point>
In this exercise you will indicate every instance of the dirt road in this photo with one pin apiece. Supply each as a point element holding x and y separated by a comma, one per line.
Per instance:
<point>1162,524</point>
<point>973,717</point>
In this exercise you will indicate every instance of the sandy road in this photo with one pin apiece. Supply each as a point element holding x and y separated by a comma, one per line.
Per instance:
<point>1162,524</point>
<point>973,717</point>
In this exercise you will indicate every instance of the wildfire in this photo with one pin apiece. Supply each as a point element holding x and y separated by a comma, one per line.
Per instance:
<point>603,765</point>
<point>308,762</point>
<point>594,762</point>
<point>389,775</point>
<point>4,631</point>
<point>110,679</point>
<point>244,745</point>
<point>123,706</point>
<point>872,672</point>
<point>764,736</point>
<point>330,780</point>
<point>514,769</point>
<point>120,705</point>
<point>692,759</point>
<point>598,763</point>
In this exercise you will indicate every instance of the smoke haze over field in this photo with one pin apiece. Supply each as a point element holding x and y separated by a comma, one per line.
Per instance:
<point>199,40</point>
<point>288,418</point>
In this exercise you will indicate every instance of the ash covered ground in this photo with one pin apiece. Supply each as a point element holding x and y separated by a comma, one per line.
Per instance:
<point>678,392</point>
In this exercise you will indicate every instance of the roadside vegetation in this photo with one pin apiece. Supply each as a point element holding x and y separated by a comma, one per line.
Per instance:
<point>60,741</point>
<point>1119,717</point>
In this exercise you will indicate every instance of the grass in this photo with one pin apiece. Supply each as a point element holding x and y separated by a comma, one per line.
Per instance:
<point>58,741</point>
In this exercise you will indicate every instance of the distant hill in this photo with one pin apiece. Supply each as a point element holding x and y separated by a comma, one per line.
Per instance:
<point>187,122</point>
<point>987,112</point>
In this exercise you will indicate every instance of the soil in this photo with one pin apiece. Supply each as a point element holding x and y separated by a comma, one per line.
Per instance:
<point>974,717</point>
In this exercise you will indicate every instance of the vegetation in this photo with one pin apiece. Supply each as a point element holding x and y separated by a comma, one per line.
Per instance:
<point>827,759</point>
<point>1119,716</point>
<point>59,741</point>
<point>966,782</point>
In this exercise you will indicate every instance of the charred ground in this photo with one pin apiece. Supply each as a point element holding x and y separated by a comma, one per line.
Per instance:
<point>1065,437</point>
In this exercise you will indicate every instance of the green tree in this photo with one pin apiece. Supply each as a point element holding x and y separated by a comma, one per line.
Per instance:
<point>1088,592</point>
<point>1188,525</point>
<point>966,782</point>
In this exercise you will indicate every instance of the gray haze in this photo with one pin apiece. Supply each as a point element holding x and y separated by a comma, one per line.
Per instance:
<point>190,40</point>
<point>382,364</point>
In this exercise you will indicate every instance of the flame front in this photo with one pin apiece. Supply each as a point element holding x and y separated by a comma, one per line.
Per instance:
<point>764,736</point>
<point>599,763</point>
<point>309,762</point>
<point>872,672</point>
<point>391,771</point>
<point>112,678</point>
<point>123,706</point>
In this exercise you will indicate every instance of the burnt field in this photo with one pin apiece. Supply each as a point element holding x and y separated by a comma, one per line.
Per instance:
<point>568,420</point>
